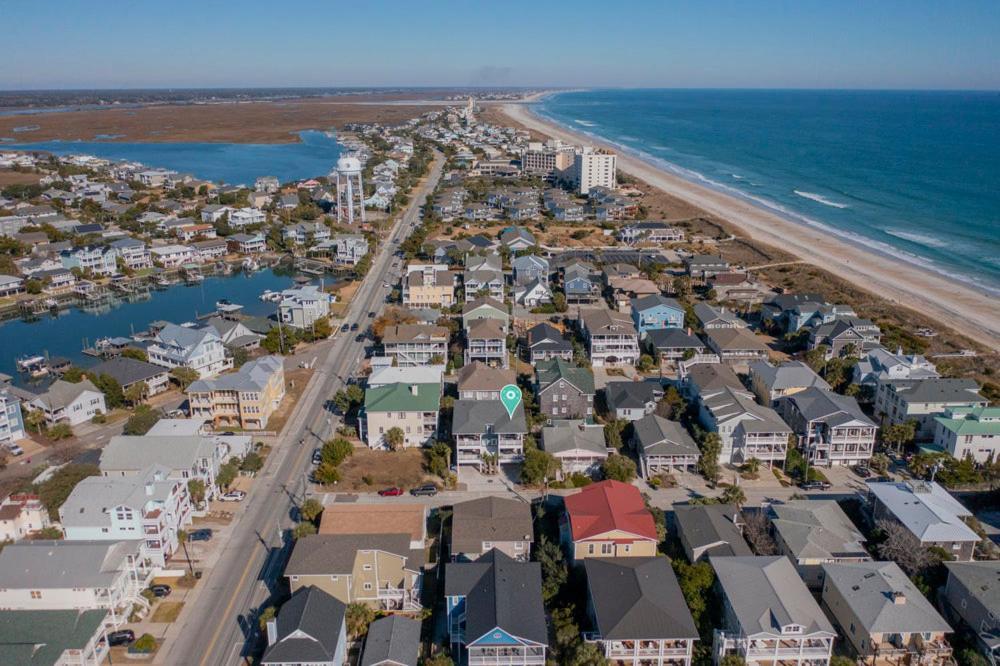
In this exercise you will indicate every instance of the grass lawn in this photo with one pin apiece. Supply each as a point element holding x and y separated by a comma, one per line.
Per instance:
<point>373,470</point>
<point>167,611</point>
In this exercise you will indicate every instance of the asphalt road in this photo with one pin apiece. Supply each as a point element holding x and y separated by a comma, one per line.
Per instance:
<point>222,628</point>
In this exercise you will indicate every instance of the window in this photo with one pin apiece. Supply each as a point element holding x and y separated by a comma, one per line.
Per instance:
<point>487,545</point>
<point>367,567</point>
<point>590,549</point>
<point>36,594</point>
<point>368,586</point>
<point>607,548</point>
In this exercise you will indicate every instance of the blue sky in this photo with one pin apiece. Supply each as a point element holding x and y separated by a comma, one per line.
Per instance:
<point>207,43</point>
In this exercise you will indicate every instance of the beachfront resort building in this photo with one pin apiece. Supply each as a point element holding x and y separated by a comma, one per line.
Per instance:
<point>594,168</point>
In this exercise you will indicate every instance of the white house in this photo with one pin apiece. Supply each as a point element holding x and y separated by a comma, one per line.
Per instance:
<point>72,403</point>
<point>184,457</point>
<point>200,349</point>
<point>969,431</point>
<point>302,306</point>
<point>172,256</point>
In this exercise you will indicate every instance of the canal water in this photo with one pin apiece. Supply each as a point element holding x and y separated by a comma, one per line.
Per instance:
<point>63,334</point>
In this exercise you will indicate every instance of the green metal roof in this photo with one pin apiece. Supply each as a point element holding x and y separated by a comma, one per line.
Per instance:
<point>555,369</point>
<point>39,637</point>
<point>403,398</point>
<point>972,420</point>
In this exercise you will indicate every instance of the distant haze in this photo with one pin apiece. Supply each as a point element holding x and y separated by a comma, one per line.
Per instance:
<point>923,44</point>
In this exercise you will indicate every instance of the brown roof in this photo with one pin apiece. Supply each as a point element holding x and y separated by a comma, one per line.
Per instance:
<point>486,329</point>
<point>637,286</point>
<point>414,332</point>
<point>729,278</point>
<point>10,511</point>
<point>735,339</point>
<point>478,376</point>
<point>489,519</point>
<point>374,519</point>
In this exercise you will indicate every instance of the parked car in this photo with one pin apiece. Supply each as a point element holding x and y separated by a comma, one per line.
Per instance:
<point>862,471</point>
<point>391,492</point>
<point>233,496</point>
<point>122,637</point>
<point>160,591</point>
<point>427,490</point>
<point>345,328</point>
<point>203,534</point>
<point>815,485</point>
<point>317,457</point>
<point>15,450</point>
<point>878,479</point>
<point>354,326</point>
<point>371,315</point>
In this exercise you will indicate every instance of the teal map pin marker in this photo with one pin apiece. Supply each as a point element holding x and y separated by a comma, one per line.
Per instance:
<point>510,396</point>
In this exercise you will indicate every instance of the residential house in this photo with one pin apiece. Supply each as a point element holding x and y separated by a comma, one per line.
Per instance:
<point>378,570</point>
<point>973,596</point>
<point>710,529</point>
<point>631,400</point>
<point>57,637</point>
<point>288,202</point>
<point>413,408</point>
<point>656,312</point>
<point>533,294</point>
<point>214,249</point>
<point>212,213</point>
<point>770,382</point>
<point>814,533</point>
<point>244,399</point>
<point>310,628</point>
<point>200,349</point>
<point>746,428</point>
<point>637,612</point>
<point>418,374</point>
<point>133,253</point>
<point>611,338</point>
<point>705,265</point>
<point>649,232</point>
<point>234,333</point>
<point>846,336</point>
<point>518,238</point>
<point>72,403</point>
<point>190,232</point>
<point>711,317</point>
<point>150,505</point>
<point>580,286</point>
<point>736,345</point>
<point>883,615</point>
<point>171,256</point>
<point>768,616</point>
<point>486,341</point>
<point>608,519</point>
<point>184,457</point>
<point>401,518</point>
<point>972,432</point>
<point>928,512</point>
<point>393,640</point>
<point>544,342</point>
<point>247,243</point>
<point>672,344</point>
<point>921,400</point>
<point>416,344</point>
<point>663,446</point>
<point>245,217</point>
<point>480,525</point>
<point>21,515</point>
<point>738,286</point>
<point>793,311</point>
<point>303,306</point>
<point>530,267</point>
<point>485,308</point>
<point>484,428</point>
<point>351,248</point>
<point>494,611</point>
<point>75,575</point>
<point>832,429</point>
<point>428,286</point>
<point>304,232</point>
<point>580,448</point>
<point>880,365</point>
<point>11,420</point>
<point>478,381</point>
<point>267,184</point>
<point>56,281</point>
<point>129,372</point>
<point>10,285</point>
<point>94,259</point>
<point>563,390</point>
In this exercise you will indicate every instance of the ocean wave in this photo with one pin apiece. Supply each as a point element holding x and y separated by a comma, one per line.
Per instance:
<point>585,123</point>
<point>819,198</point>
<point>736,176</point>
<point>919,239</point>
<point>626,137</point>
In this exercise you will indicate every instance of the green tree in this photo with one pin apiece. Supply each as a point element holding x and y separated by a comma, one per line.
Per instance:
<point>137,354</point>
<point>538,466</point>
<point>358,617</point>
<point>559,302</point>
<point>303,529</point>
<point>734,495</point>
<point>74,375</point>
<point>696,581</point>
<point>54,490</point>
<point>837,660</point>
<point>613,433</point>
<point>879,463</point>
<point>184,376</point>
<point>437,459</point>
<point>737,660</point>
<point>394,437</point>
<point>145,643</point>
<point>265,616</point>
<point>136,393</point>
<point>252,462</point>
<point>227,474</point>
<point>196,489</point>
<point>708,462</point>
<point>349,398</point>
<point>114,397</point>
<point>60,431</point>
<point>554,570</point>
<point>143,418</point>
<point>899,434</point>
<point>618,468</point>
<point>34,419</point>
<point>311,510</point>
<point>326,474</point>
<point>336,451</point>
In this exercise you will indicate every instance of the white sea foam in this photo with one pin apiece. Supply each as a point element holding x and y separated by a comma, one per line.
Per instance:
<point>920,239</point>
<point>736,176</point>
<point>819,198</point>
<point>585,123</point>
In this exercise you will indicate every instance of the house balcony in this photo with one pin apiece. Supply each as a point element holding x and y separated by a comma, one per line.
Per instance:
<point>506,656</point>
<point>792,650</point>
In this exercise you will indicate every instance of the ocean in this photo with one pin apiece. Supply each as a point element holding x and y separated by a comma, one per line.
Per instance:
<point>233,163</point>
<point>912,174</point>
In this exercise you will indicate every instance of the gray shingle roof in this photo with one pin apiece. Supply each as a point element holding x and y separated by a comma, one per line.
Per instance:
<point>982,579</point>
<point>673,338</point>
<point>631,395</point>
<point>937,390</point>
<point>126,452</point>
<point>818,404</point>
<point>926,509</point>
<point>659,437</point>
<point>791,374</point>
<point>330,554</point>
<point>638,598</point>
<point>883,598</point>
<point>63,564</point>
<point>308,628</point>
<point>711,526</point>
<point>489,519</point>
<point>470,417</point>
<point>552,370</point>
<point>252,376</point>
<point>394,639</point>
<point>766,594</point>
<point>499,592</point>
<point>62,393</point>
<point>127,371</point>
<point>817,529</point>
<point>573,436</point>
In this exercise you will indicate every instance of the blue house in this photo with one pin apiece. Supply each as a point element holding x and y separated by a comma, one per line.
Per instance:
<point>655,312</point>
<point>494,608</point>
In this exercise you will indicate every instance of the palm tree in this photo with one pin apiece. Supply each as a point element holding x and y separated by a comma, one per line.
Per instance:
<point>752,466</point>
<point>734,495</point>
<point>394,438</point>
<point>35,419</point>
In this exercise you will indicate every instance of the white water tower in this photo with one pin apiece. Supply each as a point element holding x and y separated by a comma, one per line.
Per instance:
<point>350,192</point>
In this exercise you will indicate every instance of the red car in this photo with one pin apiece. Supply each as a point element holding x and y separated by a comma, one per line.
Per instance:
<point>391,492</point>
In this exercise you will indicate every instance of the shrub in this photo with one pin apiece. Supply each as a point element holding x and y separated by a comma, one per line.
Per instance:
<point>145,643</point>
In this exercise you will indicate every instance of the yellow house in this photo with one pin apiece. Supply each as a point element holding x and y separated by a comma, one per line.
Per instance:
<point>243,399</point>
<point>380,570</point>
<point>428,286</point>
<point>608,519</point>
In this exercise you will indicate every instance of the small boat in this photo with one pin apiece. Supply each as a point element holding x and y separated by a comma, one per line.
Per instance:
<point>222,302</point>
<point>36,366</point>
<point>194,278</point>
<point>270,296</point>
<point>250,265</point>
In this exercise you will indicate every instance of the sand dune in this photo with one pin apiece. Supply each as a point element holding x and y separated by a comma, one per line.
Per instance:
<point>953,305</point>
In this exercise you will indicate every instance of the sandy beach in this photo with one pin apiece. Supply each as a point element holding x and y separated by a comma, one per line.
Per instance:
<point>953,305</point>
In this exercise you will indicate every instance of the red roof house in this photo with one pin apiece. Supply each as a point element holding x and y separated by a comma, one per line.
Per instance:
<point>608,519</point>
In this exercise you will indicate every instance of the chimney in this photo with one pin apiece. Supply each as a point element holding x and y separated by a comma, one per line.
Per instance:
<point>414,389</point>
<point>272,631</point>
<point>898,598</point>
<point>149,489</point>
